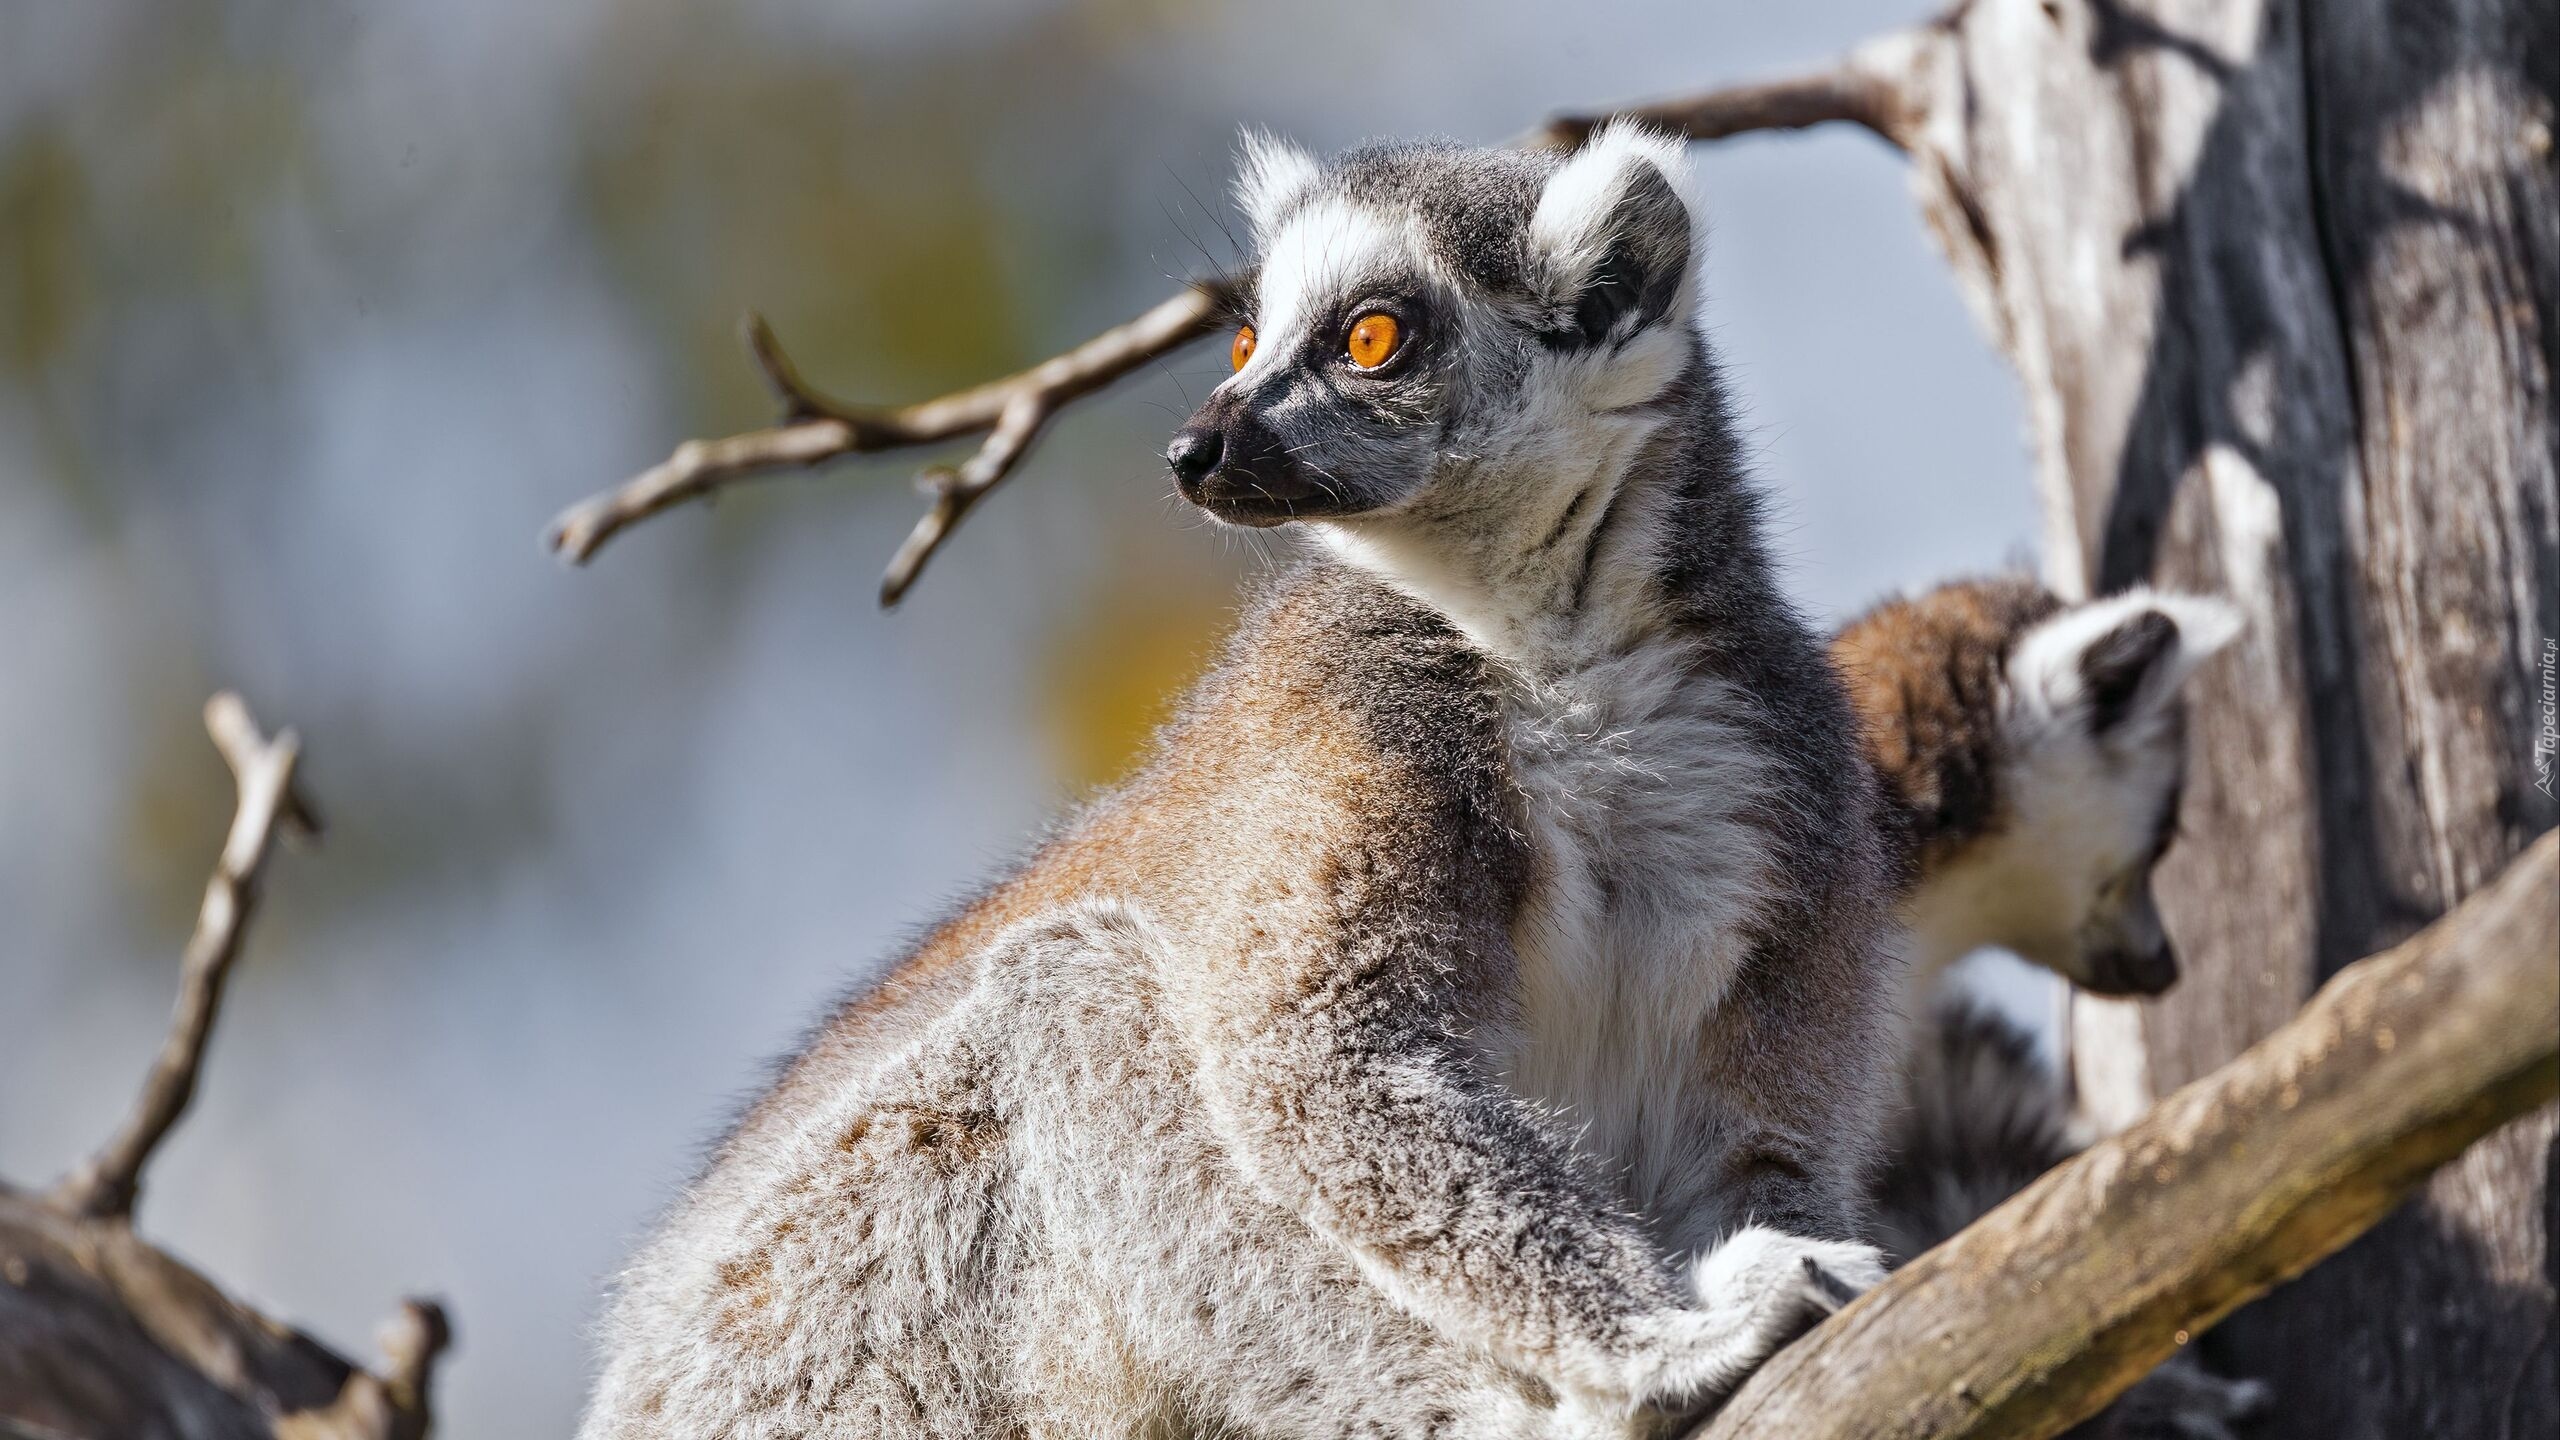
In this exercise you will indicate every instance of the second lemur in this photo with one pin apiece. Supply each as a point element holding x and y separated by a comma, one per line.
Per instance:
<point>2032,753</point>
<point>1471,1022</point>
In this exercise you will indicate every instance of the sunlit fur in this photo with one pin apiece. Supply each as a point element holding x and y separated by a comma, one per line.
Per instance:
<point>1471,1022</point>
<point>1530,492</point>
<point>1270,173</point>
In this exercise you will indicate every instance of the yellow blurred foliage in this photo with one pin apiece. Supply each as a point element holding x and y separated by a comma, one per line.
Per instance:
<point>1117,662</point>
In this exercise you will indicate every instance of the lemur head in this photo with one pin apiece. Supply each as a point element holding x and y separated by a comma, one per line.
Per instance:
<point>2035,754</point>
<point>1448,344</point>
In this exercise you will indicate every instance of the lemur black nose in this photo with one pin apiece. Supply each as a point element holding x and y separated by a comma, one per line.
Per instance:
<point>2152,974</point>
<point>2129,972</point>
<point>1194,453</point>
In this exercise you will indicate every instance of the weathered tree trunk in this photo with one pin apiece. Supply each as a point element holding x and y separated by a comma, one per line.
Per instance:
<point>2279,279</point>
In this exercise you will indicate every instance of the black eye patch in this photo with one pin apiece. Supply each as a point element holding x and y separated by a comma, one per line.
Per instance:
<point>1327,342</point>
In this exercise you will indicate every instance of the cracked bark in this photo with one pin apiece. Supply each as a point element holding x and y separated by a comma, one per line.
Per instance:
<point>2279,282</point>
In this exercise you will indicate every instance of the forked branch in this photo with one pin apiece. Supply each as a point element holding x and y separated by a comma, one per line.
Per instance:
<point>1874,87</point>
<point>1010,412</point>
<point>262,769</point>
<point>103,1332</point>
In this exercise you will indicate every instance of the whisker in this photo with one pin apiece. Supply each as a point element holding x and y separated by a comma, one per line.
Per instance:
<point>1215,218</point>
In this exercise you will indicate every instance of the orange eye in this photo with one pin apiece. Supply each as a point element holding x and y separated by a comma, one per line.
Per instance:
<point>1242,349</point>
<point>1373,340</point>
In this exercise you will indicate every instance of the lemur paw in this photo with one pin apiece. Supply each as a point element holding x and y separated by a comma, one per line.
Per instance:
<point>1757,1291</point>
<point>2181,1401</point>
<point>1787,1283</point>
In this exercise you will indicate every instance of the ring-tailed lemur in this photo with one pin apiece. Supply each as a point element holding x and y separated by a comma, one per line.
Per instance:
<point>2033,755</point>
<point>1473,1020</point>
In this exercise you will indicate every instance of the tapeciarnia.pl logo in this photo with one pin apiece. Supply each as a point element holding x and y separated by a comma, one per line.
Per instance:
<point>2546,738</point>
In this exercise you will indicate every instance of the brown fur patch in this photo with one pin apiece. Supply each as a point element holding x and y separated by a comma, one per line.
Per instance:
<point>1924,675</point>
<point>1345,732</point>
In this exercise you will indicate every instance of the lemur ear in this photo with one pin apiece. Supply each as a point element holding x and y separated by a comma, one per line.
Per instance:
<point>2121,660</point>
<point>2114,667</point>
<point>1270,173</point>
<point>1614,235</point>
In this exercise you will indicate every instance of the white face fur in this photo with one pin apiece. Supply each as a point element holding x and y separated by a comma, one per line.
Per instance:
<point>2092,767</point>
<point>1540,308</point>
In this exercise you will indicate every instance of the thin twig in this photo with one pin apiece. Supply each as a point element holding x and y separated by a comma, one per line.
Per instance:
<point>105,1185</point>
<point>815,428</point>
<point>390,1401</point>
<point>1870,88</point>
<point>137,1325</point>
<point>411,1342</point>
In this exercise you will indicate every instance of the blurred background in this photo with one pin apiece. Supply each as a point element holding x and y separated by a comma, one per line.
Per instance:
<point>312,313</point>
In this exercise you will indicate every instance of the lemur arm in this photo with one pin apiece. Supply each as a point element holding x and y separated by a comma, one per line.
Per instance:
<point>1359,1109</point>
<point>1795,1067</point>
<point>1334,983</point>
<point>1446,1195</point>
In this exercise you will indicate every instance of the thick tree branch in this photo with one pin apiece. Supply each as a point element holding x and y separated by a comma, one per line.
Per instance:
<point>2050,1306</point>
<point>106,1184</point>
<point>1874,87</point>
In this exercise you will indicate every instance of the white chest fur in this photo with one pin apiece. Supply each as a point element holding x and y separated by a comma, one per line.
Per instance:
<point>1639,787</point>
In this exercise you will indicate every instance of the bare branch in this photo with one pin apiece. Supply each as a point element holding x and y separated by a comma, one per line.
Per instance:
<point>412,1342</point>
<point>106,1184</point>
<point>389,1402</point>
<point>102,1331</point>
<point>1875,87</point>
<point>1011,411</point>
<point>2046,1309</point>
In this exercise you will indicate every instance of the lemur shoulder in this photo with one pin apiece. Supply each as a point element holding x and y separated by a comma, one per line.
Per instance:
<point>1473,1020</point>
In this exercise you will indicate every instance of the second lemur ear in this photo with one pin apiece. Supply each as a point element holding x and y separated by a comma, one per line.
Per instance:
<point>1614,236</point>
<point>2116,662</point>
<point>1271,174</point>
